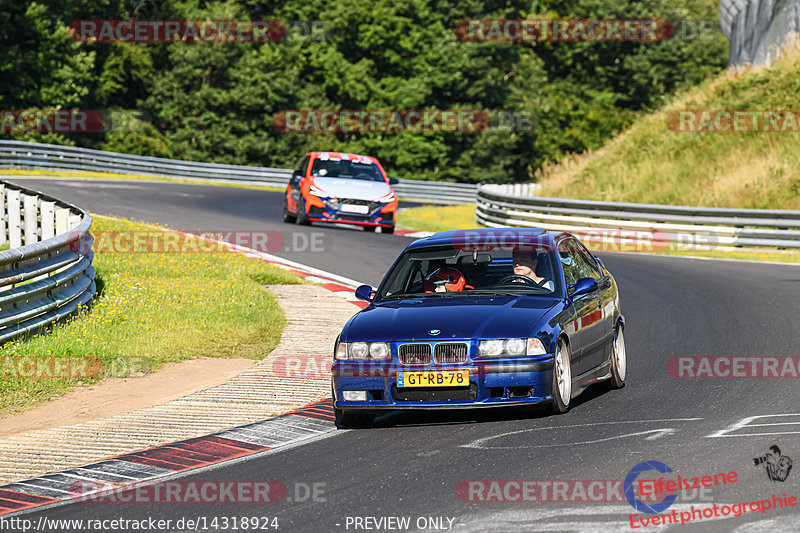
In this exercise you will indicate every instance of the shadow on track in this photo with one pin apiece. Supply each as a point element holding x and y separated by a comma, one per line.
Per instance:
<point>479,415</point>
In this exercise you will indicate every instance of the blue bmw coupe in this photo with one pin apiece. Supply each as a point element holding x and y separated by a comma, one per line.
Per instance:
<point>481,318</point>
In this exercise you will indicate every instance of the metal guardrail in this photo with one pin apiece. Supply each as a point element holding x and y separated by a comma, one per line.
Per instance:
<point>46,274</point>
<point>715,228</point>
<point>497,205</point>
<point>25,155</point>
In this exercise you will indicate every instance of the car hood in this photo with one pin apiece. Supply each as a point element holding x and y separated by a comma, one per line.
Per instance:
<point>353,188</point>
<point>456,318</point>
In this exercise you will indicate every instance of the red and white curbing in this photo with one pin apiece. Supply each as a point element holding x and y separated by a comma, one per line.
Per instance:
<point>166,461</point>
<point>411,234</point>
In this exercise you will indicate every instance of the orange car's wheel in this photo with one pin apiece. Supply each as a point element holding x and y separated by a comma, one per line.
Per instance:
<point>302,215</point>
<point>287,216</point>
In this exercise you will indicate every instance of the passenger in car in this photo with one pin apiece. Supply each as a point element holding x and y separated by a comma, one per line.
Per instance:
<point>446,279</point>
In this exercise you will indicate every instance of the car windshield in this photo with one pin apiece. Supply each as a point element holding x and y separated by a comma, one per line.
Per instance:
<point>346,169</point>
<point>447,271</point>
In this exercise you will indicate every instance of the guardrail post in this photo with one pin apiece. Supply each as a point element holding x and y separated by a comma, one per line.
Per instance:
<point>3,233</point>
<point>31,218</point>
<point>62,221</point>
<point>14,230</point>
<point>48,210</point>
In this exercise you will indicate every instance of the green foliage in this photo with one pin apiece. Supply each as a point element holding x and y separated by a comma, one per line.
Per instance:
<point>216,101</point>
<point>129,134</point>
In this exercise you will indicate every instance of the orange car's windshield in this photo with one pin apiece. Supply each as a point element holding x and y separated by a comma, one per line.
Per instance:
<point>346,169</point>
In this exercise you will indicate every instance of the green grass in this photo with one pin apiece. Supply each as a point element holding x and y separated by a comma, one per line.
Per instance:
<point>437,218</point>
<point>156,308</point>
<point>776,256</point>
<point>463,217</point>
<point>650,163</point>
<point>127,177</point>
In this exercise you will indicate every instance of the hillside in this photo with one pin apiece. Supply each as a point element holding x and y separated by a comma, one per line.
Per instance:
<point>651,163</point>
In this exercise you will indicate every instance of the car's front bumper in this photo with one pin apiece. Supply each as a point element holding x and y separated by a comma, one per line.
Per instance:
<point>490,385</point>
<point>375,218</point>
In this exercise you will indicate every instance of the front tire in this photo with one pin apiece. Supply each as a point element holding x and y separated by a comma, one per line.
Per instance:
<point>287,216</point>
<point>562,379</point>
<point>302,215</point>
<point>619,360</point>
<point>371,229</point>
<point>390,229</point>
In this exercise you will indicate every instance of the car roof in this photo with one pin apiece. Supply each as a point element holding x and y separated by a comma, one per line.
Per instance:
<point>489,237</point>
<point>334,156</point>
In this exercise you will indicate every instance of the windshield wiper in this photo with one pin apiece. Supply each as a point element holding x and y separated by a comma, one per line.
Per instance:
<point>483,292</point>
<point>508,292</point>
<point>412,295</point>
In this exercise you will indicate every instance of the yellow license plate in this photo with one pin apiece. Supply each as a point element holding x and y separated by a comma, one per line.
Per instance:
<point>438,378</point>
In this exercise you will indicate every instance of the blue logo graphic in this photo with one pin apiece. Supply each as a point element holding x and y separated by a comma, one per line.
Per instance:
<point>434,332</point>
<point>630,483</point>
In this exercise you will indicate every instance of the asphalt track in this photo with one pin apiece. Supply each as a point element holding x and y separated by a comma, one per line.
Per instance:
<point>410,464</point>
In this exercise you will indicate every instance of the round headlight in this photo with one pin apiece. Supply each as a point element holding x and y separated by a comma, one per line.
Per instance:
<point>515,346</point>
<point>491,347</point>
<point>379,350</point>
<point>359,350</point>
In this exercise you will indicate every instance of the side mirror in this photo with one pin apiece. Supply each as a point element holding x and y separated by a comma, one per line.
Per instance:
<point>393,181</point>
<point>583,286</point>
<point>365,292</point>
<point>599,262</point>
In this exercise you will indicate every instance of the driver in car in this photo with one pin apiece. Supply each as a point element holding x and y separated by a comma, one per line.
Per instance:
<point>525,264</point>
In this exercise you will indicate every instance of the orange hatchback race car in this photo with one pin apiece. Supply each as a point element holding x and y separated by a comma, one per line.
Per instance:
<point>342,188</point>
